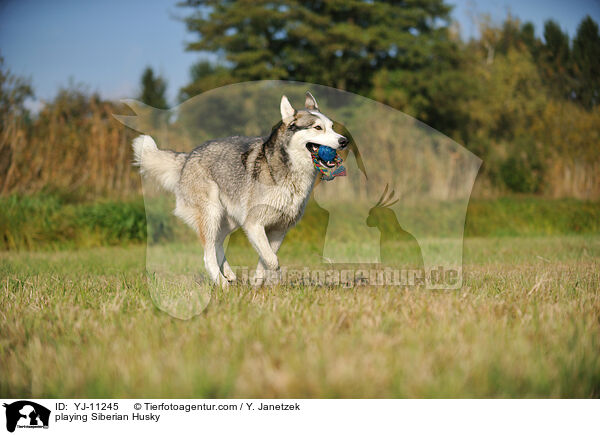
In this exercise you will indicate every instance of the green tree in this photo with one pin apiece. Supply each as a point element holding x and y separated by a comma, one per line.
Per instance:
<point>14,90</point>
<point>341,43</point>
<point>529,39</point>
<point>205,76</point>
<point>556,43</point>
<point>555,60</point>
<point>154,90</point>
<point>586,59</point>
<point>507,98</point>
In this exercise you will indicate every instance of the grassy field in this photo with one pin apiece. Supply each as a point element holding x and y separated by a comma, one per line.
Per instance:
<point>65,221</point>
<point>525,324</point>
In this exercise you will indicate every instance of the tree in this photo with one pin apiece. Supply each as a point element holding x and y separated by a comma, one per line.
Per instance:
<point>153,90</point>
<point>555,60</point>
<point>556,44</point>
<point>529,39</point>
<point>14,90</point>
<point>336,43</point>
<point>507,97</point>
<point>205,76</point>
<point>586,59</point>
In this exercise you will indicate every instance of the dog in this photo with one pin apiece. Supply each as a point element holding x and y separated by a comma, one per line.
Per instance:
<point>261,184</point>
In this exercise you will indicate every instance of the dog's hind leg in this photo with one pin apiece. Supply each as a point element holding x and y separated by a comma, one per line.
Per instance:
<point>204,219</point>
<point>225,230</point>
<point>212,264</point>
<point>213,246</point>
<point>226,270</point>
<point>207,221</point>
<point>276,239</point>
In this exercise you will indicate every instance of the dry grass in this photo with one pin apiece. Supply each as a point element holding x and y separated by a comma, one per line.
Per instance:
<point>74,145</point>
<point>526,324</point>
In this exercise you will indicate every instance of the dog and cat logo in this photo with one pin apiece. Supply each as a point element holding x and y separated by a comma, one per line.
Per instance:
<point>25,414</point>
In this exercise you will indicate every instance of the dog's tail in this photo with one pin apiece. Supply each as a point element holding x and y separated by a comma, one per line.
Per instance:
<point>163,165</point>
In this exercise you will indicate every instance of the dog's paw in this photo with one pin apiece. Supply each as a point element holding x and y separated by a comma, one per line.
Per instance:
<point>223,282</point>
<point>265,277</point>
<point>274,277</point>
<point>230,277</point>
<point>229,273</point>
<point>257,281</point>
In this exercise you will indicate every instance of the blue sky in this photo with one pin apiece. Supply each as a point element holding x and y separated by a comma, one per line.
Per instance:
<point>106,44</point>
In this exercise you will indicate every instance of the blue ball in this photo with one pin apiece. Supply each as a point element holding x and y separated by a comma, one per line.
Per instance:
<point>327,154</point>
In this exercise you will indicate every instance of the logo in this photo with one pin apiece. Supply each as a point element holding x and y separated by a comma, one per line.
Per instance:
<point>396,219</point>
<point>26,414</point>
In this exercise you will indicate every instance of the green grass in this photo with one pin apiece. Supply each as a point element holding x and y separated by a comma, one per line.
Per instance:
<point>52,221</point>
<point>525,324</point>
<point>531,216</point>
<point>56,221</point>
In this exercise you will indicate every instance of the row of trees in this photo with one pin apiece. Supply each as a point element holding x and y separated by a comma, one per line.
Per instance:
<point>527,105</point>
<point>360,45</point>
<point>498,94</point>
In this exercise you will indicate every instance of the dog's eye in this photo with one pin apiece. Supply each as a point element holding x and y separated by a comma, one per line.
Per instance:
<point>318,127</point>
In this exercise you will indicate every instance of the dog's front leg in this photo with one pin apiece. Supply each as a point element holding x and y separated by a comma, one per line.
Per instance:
<point>275,237</point>
<point>259,240</point>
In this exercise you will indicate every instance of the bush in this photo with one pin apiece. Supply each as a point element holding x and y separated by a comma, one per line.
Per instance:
<point>51,221</point>
<point>518,176</point>
<point>41,221</point>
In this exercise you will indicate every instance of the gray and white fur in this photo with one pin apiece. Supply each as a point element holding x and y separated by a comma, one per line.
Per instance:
<point>261,184</point>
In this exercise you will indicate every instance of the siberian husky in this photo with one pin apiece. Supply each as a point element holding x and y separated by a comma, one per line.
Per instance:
<point>261,184</point>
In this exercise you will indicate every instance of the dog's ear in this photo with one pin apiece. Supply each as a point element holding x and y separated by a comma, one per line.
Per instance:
<point>310,103</point>
<point>287,111</point>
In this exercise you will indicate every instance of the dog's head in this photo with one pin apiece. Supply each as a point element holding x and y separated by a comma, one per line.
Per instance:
<point>310,127</point>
